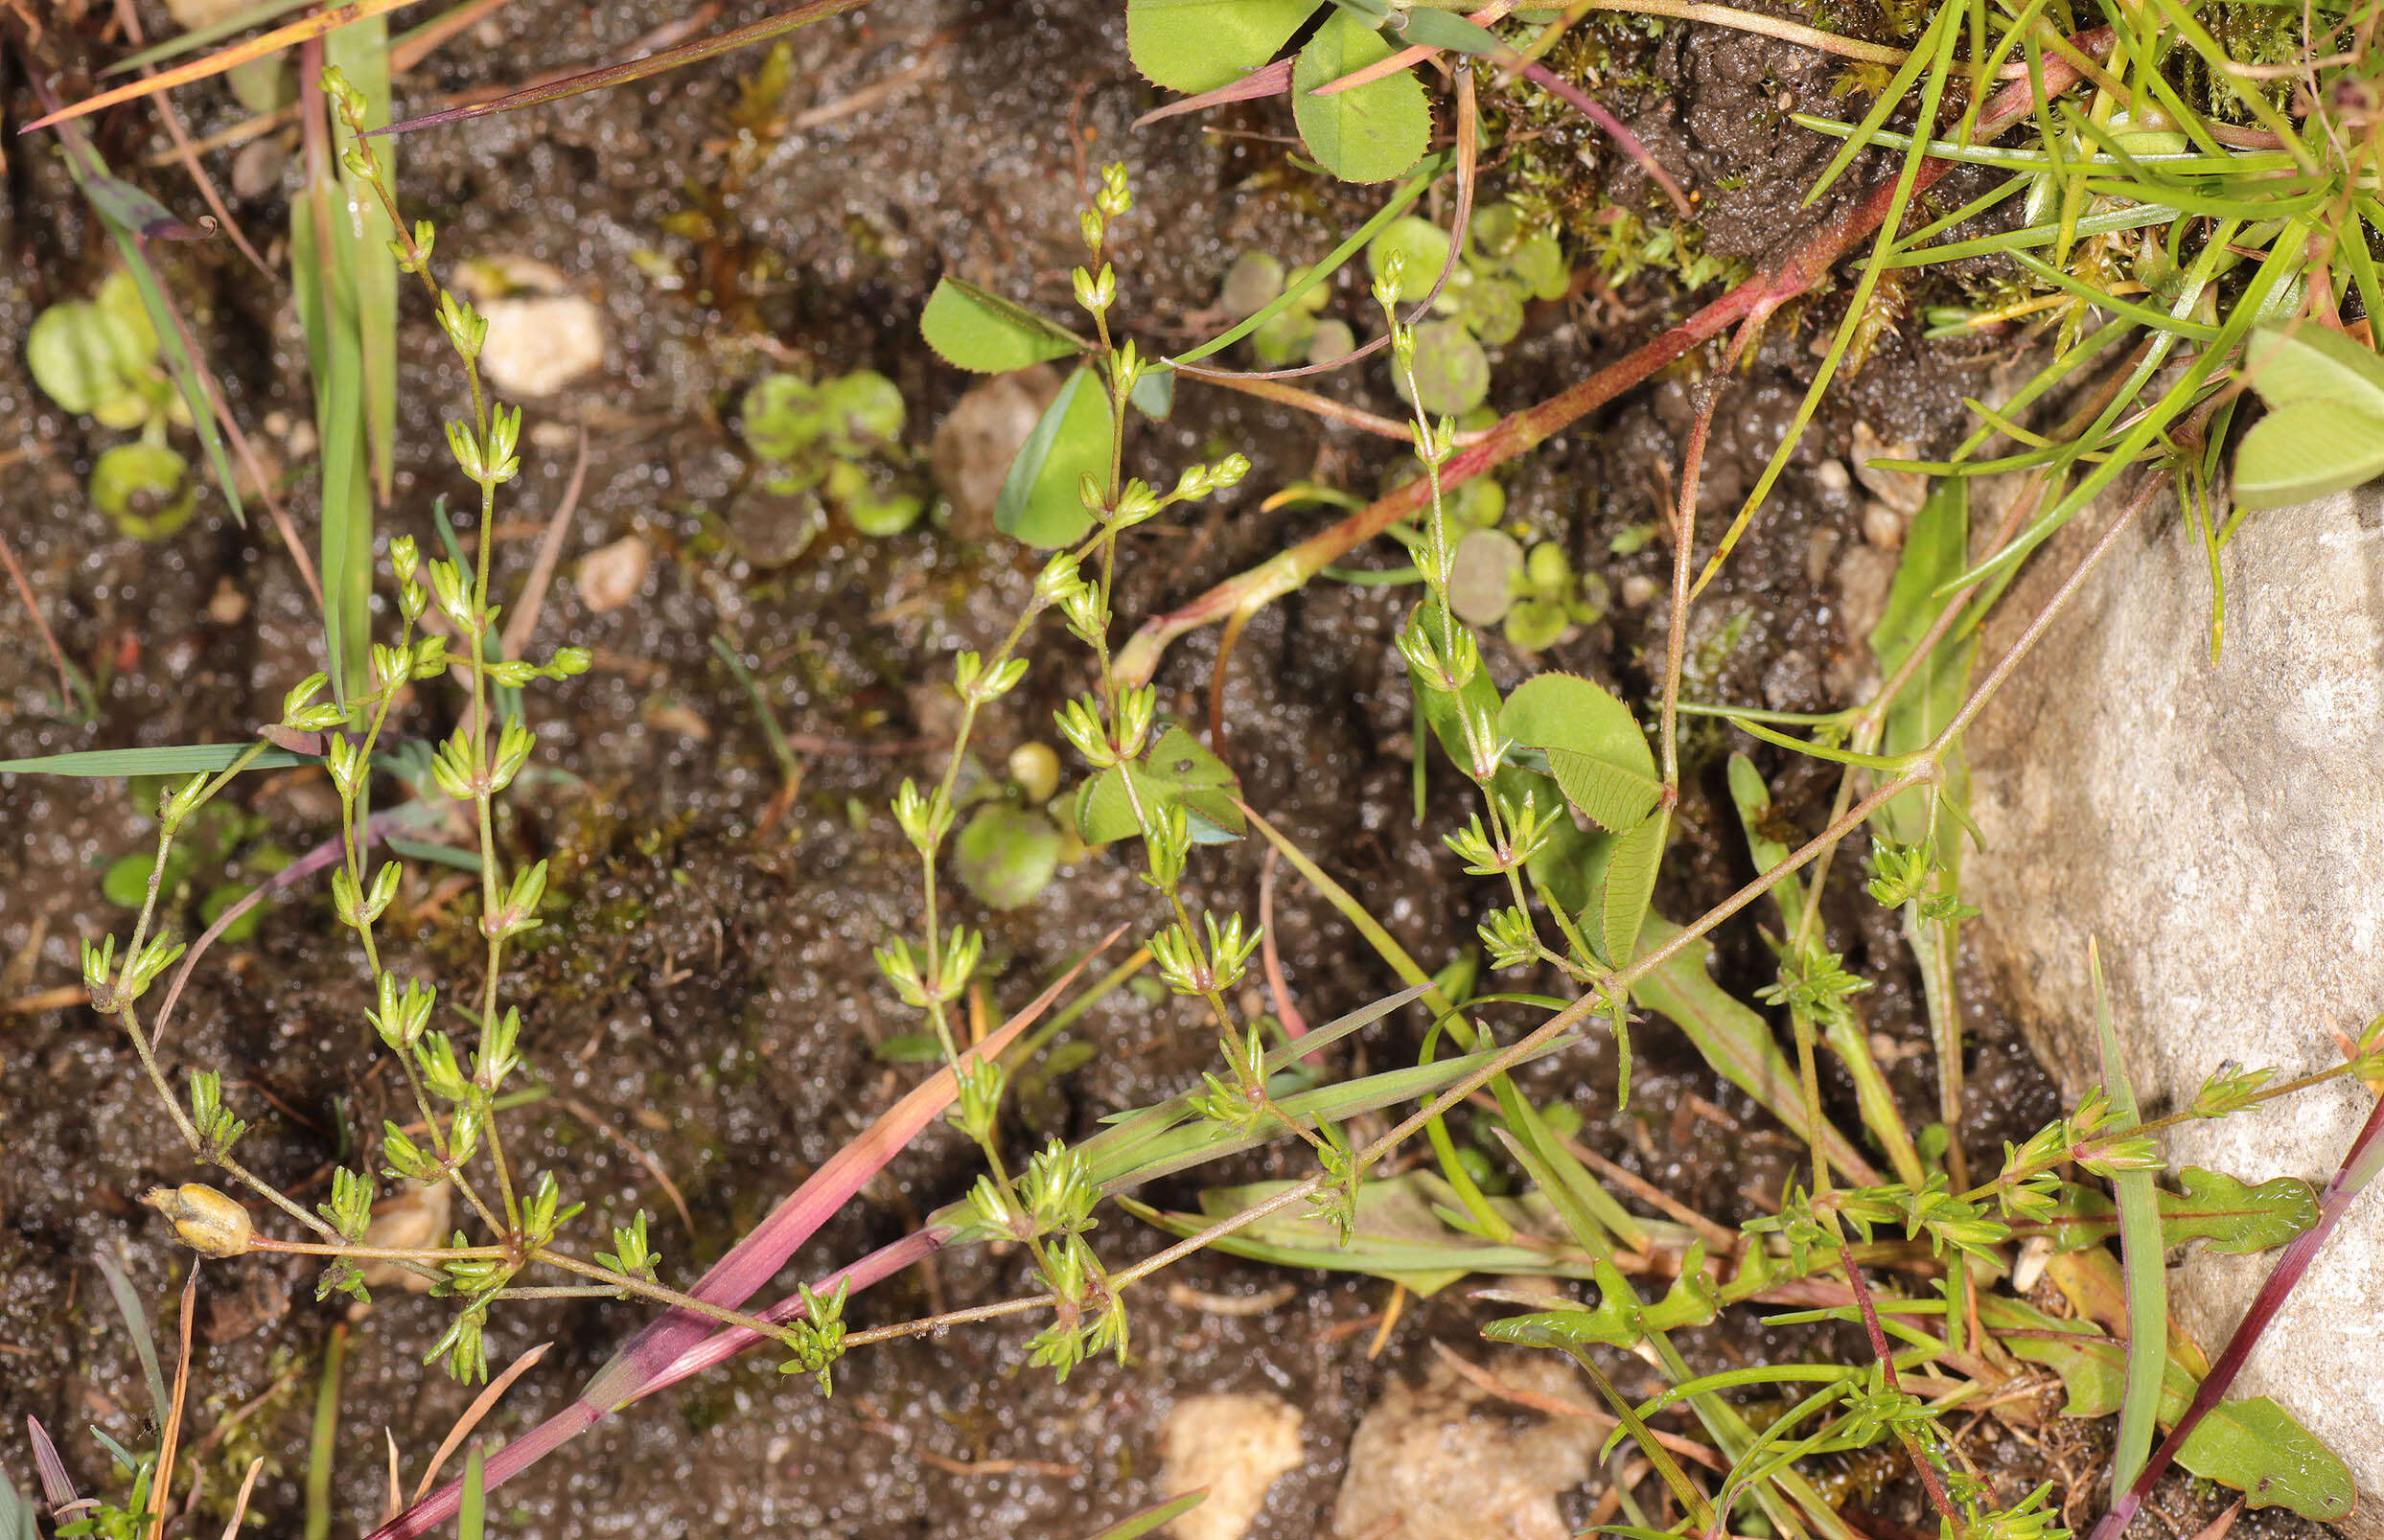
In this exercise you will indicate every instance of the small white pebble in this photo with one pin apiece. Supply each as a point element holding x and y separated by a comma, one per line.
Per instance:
<point>611,576</point>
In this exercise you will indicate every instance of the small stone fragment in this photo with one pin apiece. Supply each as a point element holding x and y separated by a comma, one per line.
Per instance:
<point>541,336</point>
<point>1903,491</point>
<point>1445,1460</point>
<point>611,575</point>
<point>1233,1445</point>
<point>1882,525</point>
<point>975,445</point>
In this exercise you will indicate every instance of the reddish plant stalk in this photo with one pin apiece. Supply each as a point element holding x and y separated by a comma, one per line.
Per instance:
<point>1752,301</point>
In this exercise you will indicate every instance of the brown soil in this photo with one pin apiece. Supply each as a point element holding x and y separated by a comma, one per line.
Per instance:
<point>710,995</point>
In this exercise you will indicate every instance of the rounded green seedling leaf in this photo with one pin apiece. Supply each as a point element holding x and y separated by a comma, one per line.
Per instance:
<point>1492,308</point>
<point>222,896</point>
<point>863,407</point>
<point>1452,372</point>
<point>1536,625</point>
<point>145,488</point>
<point>1005,856</point>
<point>1421,248</point>
<point>1494,230</point>
<point>82,355</point>
<point>1537,262</point>
<point>1333,340</point>
<point>1372,134</point>
<point>1480,502</point>
<point>1483,576</point>
<point>1285,339</point>
<point>1251,283</point>
<point>126,882</point>
<point>784,415</point>
<point>1548,570</point>
<point>871,497</point>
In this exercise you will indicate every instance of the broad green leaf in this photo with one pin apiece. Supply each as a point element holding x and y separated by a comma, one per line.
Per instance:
<point>2234,1217</point>
<point>2307,449</point>
<point>2253,1445</point>
<point>1175,770</point>
<point>1040,503</point>
<point>1733,1039</point>
<point>1594,748</point>
<point>1372,133</point>
<point>1198,45</point>
<point>1630,885</point>
<point>2311,362</point>
<point>972,328</point>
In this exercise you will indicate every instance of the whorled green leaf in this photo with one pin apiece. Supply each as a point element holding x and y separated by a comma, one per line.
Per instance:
<point>1372,133</point>
<point>2253,1445</point>
<point>1198,45</point>
<point>1176,769</point>
<point>2235,1217</point>
<point>1040,502</point>
<point>1594,749</point>
<point>972,328</point>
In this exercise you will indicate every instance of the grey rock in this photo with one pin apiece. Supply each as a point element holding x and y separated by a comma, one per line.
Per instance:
<point>1446,1460</point>
<point>2218,827</point>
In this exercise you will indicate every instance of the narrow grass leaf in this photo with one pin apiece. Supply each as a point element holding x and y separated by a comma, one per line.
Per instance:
<point>2141,1253</point>
<point>178,760</point>
<point>136,1326</point>
<point>181,43</point>
<point>323,1440</point>
<point>215,63</point>
<point>763,30</point>
<point>361,51</point>
<point>471,1516</point>
<point>1137,1525</point>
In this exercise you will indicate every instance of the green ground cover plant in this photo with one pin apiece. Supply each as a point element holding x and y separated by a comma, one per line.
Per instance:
<point>2184,214</point>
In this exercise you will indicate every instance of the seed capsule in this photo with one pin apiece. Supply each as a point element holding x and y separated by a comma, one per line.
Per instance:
<point>204,1220</point>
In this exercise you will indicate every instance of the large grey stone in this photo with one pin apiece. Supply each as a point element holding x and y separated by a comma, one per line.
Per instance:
<point>2219,827</point>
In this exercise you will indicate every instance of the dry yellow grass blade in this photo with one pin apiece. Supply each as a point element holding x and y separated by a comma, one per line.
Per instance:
<point>224,59</point>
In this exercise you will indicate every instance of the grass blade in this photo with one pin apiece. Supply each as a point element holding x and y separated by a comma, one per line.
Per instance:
<point>136,1328</point>
<point>361,52</point>
<point>180,759</point>
<point>471,1515</point>
<point>2140,1253</point>
<point>215,63</point>
<point>1134,1525</point>
<point>636,69</point>
<point>320,1443</point>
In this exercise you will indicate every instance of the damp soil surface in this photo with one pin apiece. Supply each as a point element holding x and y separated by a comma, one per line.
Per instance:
<point>702,1013</point>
